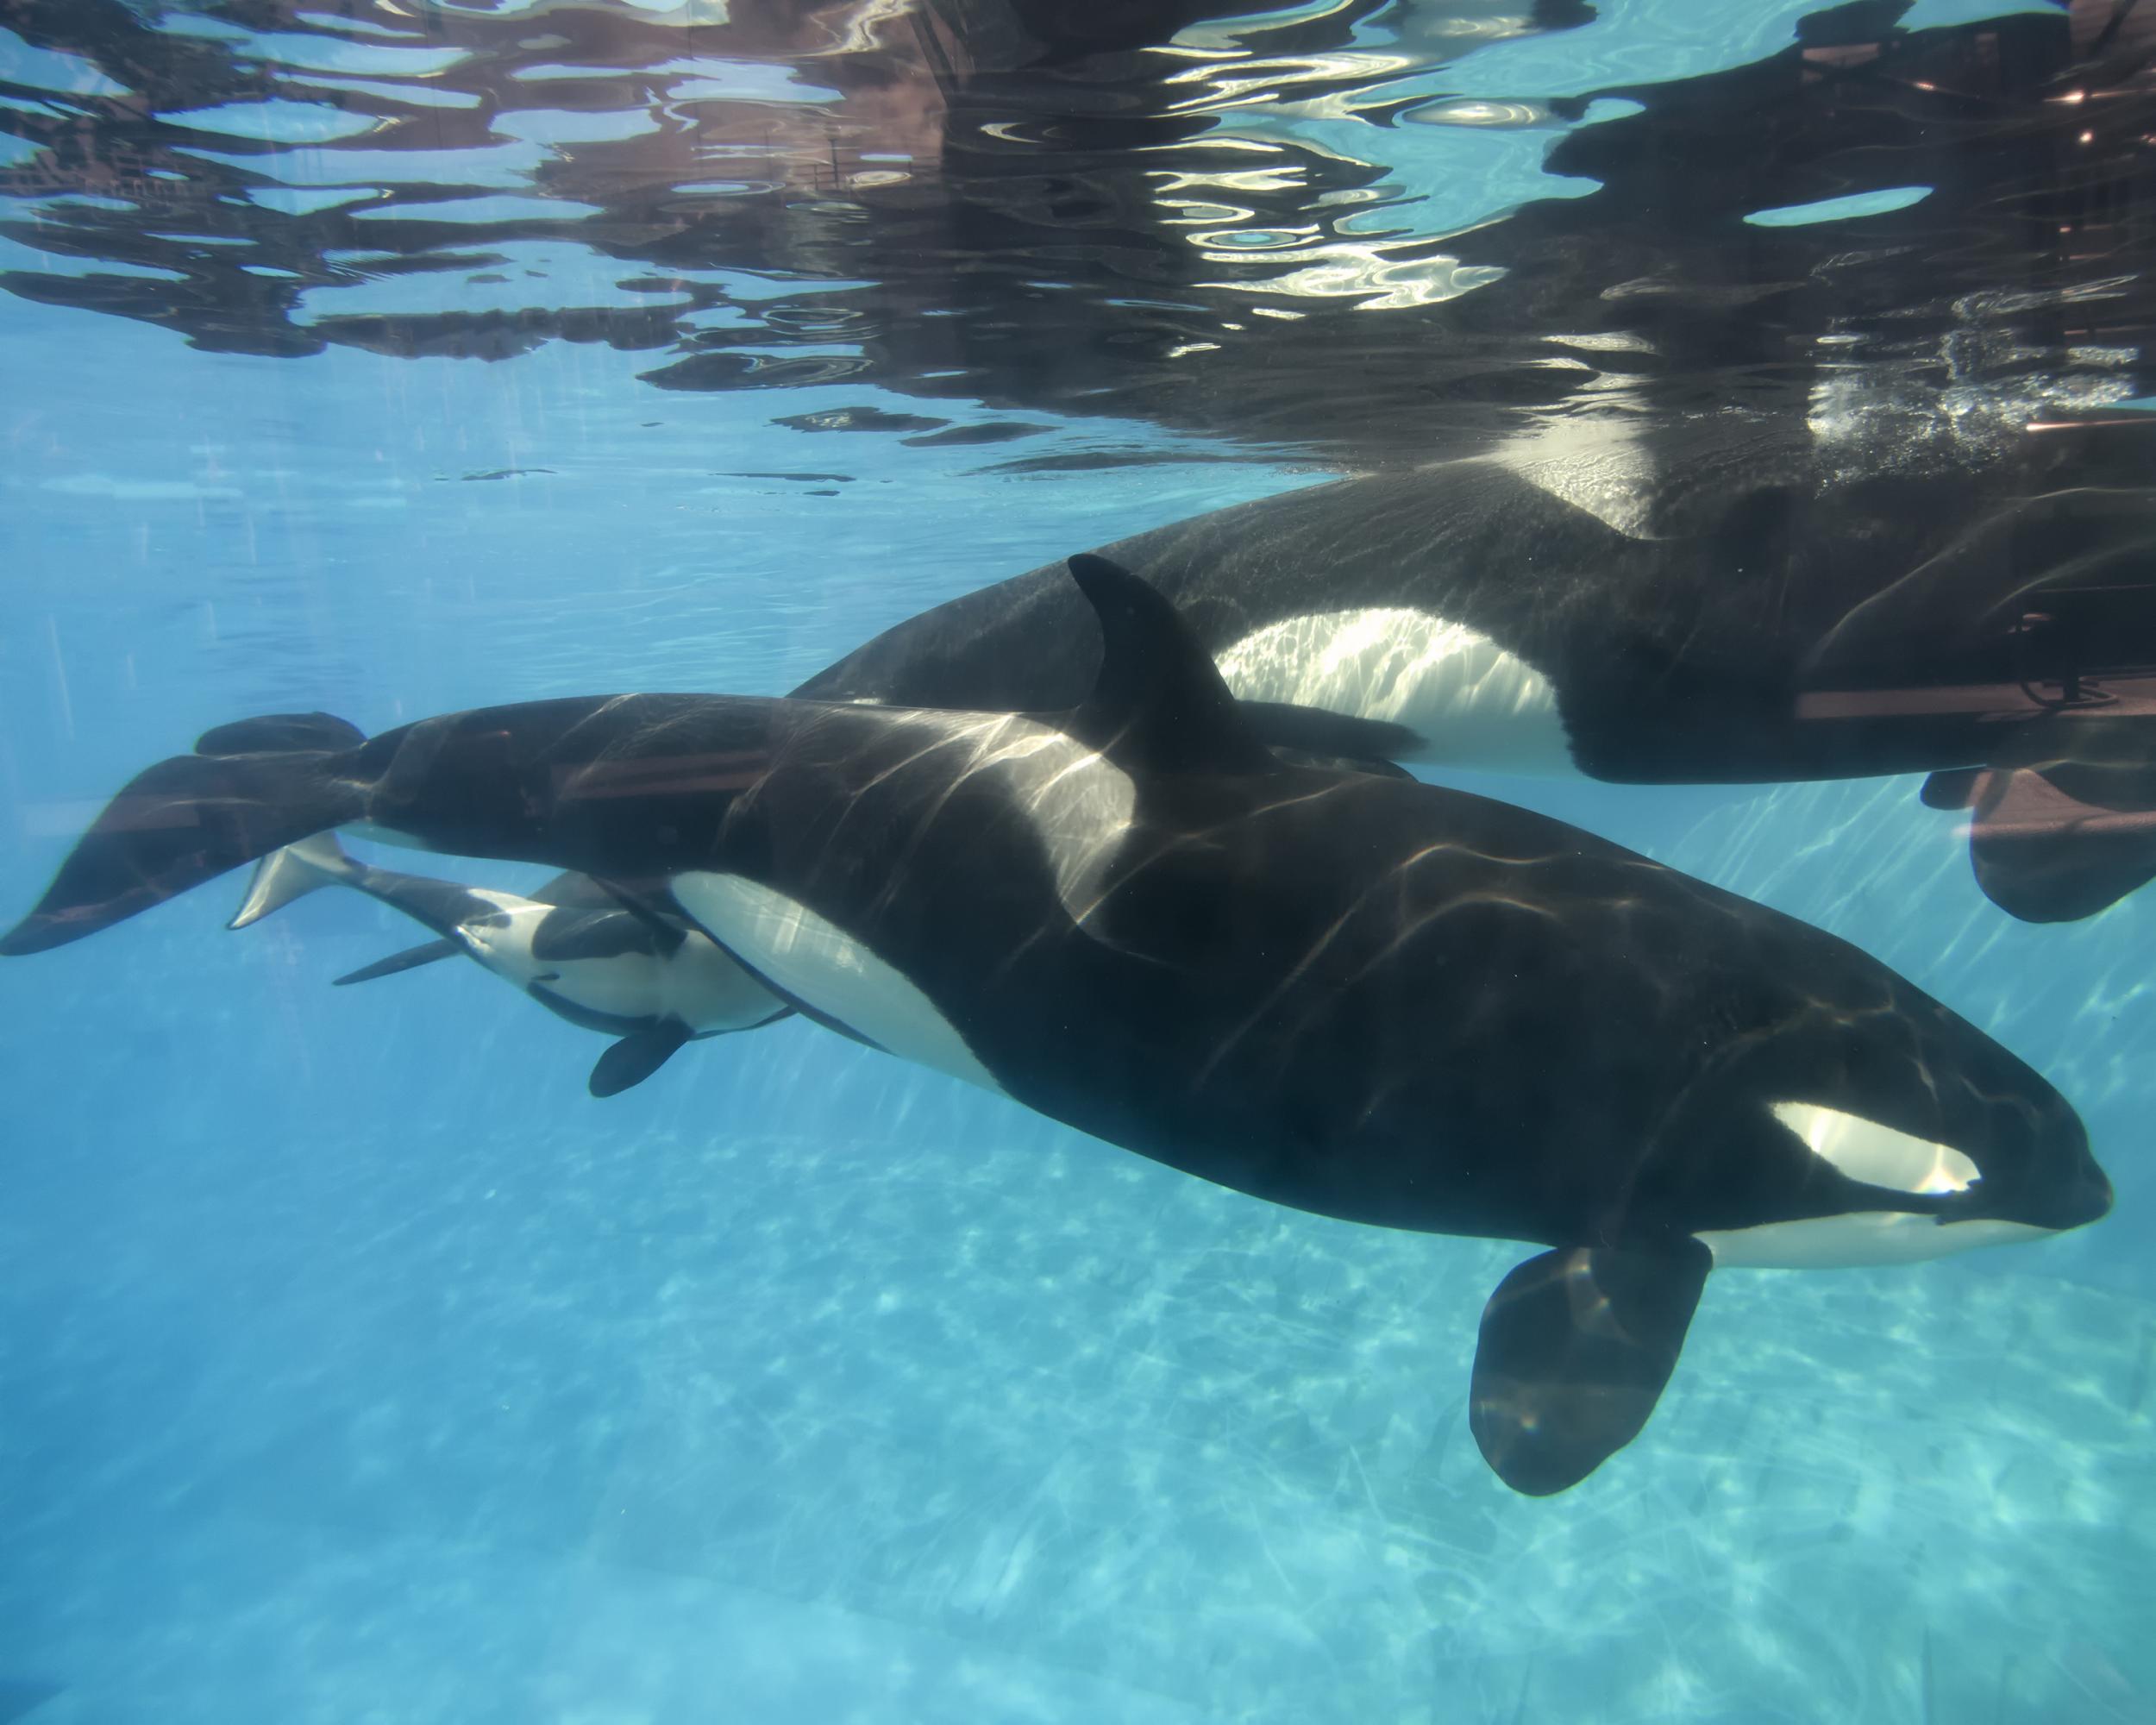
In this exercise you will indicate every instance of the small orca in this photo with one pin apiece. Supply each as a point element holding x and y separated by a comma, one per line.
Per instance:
<point>1363,997</point>
<point>1772,618</point>
<point>616,966</point>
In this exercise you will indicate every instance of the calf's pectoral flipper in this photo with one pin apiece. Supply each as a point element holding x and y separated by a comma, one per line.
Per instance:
<point>636,1058</point>
<point>410,958</point>
<point>1576,1346</point>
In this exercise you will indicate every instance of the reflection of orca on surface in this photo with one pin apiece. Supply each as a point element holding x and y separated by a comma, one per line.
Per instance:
<point>1771,623</point>
<point>1360,996</point>
<point>650,978</point>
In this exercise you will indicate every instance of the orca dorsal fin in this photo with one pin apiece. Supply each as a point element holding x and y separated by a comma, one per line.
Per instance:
<point>1159,705</point>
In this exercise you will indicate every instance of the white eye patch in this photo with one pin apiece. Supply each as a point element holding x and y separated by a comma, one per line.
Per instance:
<point>1877,1155</point>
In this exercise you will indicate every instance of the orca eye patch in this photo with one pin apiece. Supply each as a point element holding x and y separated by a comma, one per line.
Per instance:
<point>1878,1155</point>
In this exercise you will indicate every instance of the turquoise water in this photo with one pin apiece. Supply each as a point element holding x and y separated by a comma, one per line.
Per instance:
<point>356,1364</point>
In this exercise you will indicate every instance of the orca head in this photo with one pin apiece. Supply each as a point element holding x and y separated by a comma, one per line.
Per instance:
<point>1829,1114</point>
<point>1888,1134</point>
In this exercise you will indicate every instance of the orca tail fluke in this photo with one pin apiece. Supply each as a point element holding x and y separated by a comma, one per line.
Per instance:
<point>2058,842</point>
<point>305,866</point>
<point>188,819</point>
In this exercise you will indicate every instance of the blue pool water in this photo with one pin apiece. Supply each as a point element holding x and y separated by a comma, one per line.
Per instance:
<point>356,1364</point>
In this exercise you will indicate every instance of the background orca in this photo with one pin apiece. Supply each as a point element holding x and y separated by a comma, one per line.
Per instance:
<point>1363,997</point>
<point>645,976</point>
<point>1759,615</point>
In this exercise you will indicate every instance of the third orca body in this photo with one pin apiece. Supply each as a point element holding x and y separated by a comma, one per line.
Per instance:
<point>1769,621</point>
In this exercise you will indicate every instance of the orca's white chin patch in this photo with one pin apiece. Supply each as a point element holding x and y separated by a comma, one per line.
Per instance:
<point>1472,703</point>
<point>1877,1155</point>
<point>825,969</point>
<point>1857,1239</point>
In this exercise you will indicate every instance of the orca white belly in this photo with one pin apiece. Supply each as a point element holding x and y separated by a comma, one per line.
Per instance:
<point>811,960</point>
<point>1472,703</point>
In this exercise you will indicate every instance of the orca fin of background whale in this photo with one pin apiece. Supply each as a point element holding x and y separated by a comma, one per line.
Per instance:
<point>187,820</point>
<point>1159,703</point>
<point>1574,1348</point>
<point>1952,787</point>
<point>410,958</point>
<point>2056,843</point>
<point>635,1058</point>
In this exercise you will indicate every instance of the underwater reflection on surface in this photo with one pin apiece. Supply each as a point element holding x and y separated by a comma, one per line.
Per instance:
<point>1203,223</point>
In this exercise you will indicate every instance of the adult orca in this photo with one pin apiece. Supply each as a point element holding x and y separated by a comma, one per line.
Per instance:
<point>1364,997</point>
<point>605,963</point>
<point>1760,615</point>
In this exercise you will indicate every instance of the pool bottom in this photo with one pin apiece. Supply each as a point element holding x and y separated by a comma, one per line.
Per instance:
<point>616,1425</point>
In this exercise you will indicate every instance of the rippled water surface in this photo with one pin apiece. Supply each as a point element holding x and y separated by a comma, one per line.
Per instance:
<point>394,356</point>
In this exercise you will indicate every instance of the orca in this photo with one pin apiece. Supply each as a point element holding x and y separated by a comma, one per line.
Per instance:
<point>1359,997</point>
<point>1753,617</point>
<point>1756,615</point>
<point>645,976</point>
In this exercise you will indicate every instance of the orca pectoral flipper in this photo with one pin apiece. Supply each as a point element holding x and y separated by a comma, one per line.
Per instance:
<point>410,959</point>
<point>1574,1348</point>
<point>1952,787</point>
<point>2060,842</point>
<point>635,1058</point>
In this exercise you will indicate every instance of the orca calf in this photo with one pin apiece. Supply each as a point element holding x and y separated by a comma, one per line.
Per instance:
<point>1363,997</point>
<point>646,976</point>
<point>1769,620</point>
